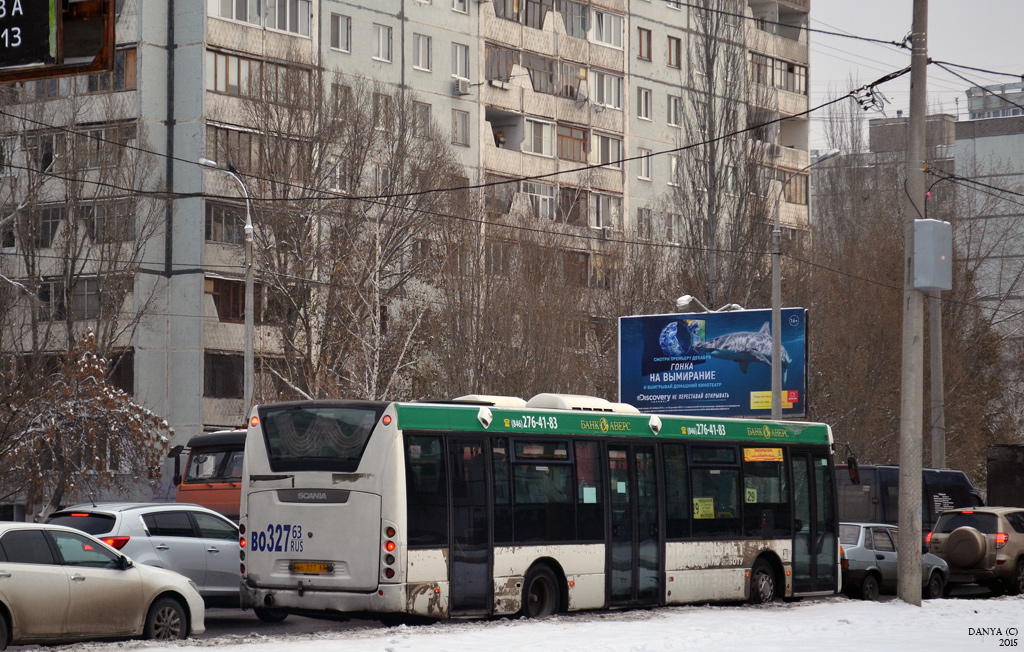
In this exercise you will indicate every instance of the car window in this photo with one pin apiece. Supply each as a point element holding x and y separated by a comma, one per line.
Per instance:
<point>1016,520</point>
<point>848,534</point>
<point>80,551</point>
<point>168,524</point>
<point>27,547</point>
<point>983,522</point>
<point>212,527</point>
<point>882,541</point>
<point>84,521</point>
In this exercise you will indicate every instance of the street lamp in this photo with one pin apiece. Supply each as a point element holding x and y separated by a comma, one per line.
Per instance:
<point>248,371</point>
<point>777,287</point>
<point>687,299</point>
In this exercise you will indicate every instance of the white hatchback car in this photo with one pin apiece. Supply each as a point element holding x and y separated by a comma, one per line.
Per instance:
<point>59,585</point>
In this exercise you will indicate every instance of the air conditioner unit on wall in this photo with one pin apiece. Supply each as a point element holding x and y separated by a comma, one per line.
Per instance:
<point>461,87</point>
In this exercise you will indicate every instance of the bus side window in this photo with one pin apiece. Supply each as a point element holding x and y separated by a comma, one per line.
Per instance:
<point>502,491</point>
<point>589,493</point>
<point>426,491</point>
<point>677,501</point>
<point>766,508</point>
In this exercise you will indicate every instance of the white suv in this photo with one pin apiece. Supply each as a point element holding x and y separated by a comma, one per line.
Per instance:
<point>195,541</point>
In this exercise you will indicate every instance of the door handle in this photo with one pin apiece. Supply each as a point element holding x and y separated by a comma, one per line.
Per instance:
<point>879,556</point>
<point>77,578</point>
<point>213,550</point>
<point>162,546</point>
<point>4,575</point>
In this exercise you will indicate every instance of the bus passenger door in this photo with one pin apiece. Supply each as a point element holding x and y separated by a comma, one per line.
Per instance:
<point>634,544</point>
<point>815,554</point>
<point>470,555</point>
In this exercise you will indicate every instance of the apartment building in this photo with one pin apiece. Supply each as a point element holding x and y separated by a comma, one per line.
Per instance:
<point>579,106</point>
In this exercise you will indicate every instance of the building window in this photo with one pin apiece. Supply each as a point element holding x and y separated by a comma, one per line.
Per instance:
<point>85,298</point>
<point>608,29</point>
<point>643,222</point>
<point>47,225</point>
<point>48,89</point>
<point>673,227</point>
<point>573,205</point>
<point>341,33</point>
<point>644,162</point>
<point>289,15</point>
<point>536,12</point>
<point>421,118</point>
<point>673,170</point>
<point>382,118</point>
<point>572,143</point>
<point>542,72</point>
<point>571,76</point>
<point>382,37</point>
<point>576,18</point>
<point>225,223</point>
<point>230,74</point>
<point>460,61</point>
<point>460,127</point>
<point>498,258</point>
<point>231,146</point>
<point>461,6</point>
<point>539,138</point>
<point>43,150</point>
<point>108,221</point>
<point>609,90</point>
<point>421,52</point>
<point>541,197</point>
<point>223,375</point>
<point>608,151</point>
<point>644,43</point>
<point>229,298</point>
<point>247,11</point>
<point>606,211</point>
<point>761,70</point>
<point>122,78</point>
<point>675,110</point>
<point>643,103</point>
<point>507,9</point>
<point>103,146</point>
<point>499,61</point>
<point>796,189</point>
<point>51,306</point>
<point>675,52</point>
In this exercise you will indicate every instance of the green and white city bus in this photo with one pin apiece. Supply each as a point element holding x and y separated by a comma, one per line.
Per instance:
<point>495,506</point>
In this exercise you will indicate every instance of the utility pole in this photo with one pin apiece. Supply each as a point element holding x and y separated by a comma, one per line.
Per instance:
<point>912,384</point>
<point>938,390</point>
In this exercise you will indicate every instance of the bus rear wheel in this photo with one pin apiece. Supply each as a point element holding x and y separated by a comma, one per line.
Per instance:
<point>540,593</point>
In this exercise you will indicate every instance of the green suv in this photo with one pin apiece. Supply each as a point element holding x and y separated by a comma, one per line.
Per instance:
<point>983,545</point>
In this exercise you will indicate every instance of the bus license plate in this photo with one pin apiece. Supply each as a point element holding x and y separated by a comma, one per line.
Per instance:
<point>311,567</point>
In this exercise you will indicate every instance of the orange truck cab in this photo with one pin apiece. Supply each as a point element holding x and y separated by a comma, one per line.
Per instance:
<point>213,472</point>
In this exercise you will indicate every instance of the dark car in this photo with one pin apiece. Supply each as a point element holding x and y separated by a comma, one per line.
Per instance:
<point>870,563</point>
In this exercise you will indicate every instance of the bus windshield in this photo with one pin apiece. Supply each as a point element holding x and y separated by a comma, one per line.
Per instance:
<point>317,437</point>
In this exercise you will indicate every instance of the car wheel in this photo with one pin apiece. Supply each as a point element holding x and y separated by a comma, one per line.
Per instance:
<point>762,583</point>
<point>166,621</point>
<point>5,633</point>
<point>1015,586</point>
<point>965,547</point>
<point>540,593</point>
<point>869,588</point>
<point>271,615</point>
<point>935,588</point>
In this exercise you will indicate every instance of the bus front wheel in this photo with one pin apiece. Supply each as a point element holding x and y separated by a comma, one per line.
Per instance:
<point>540,593</point>
<point>762,583</point>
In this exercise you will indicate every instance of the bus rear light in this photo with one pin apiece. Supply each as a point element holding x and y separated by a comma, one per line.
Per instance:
<point>241,542</point>
<point>1001,539</point>
<point>119,542</point>
<point>390,532</point>
<point>241,528</point>
<point>390,546</point>
<point>241,567</point>
<point>386,420</point>
<point>389,573</point>
<point>241,555</point>
<point>389,559</point>
<point>253,422</point>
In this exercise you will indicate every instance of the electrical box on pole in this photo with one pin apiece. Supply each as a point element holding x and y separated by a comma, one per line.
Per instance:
<point>933,255</point>
<point>40,39</point>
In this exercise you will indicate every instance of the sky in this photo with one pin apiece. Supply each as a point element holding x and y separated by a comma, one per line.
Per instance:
<point>836,624</point>
<point>978,33</point>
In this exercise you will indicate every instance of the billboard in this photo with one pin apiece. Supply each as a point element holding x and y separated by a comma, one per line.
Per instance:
<point>712,363</point>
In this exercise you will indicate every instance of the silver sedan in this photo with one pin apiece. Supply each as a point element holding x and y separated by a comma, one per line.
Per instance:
<point>869,561</point>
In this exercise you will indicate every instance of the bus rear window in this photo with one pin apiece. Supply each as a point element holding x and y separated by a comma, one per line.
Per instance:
<point>316,437</point>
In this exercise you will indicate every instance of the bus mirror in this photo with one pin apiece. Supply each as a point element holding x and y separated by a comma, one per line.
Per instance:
<point>177,479</point>
<point>485,417</point>
<point>176,451</point>
<point>851,466</point>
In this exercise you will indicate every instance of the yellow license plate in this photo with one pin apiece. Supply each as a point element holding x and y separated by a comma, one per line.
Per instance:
<point>312,567</point>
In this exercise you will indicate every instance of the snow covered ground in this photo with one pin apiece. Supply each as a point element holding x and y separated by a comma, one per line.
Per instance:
<point>828,624</point>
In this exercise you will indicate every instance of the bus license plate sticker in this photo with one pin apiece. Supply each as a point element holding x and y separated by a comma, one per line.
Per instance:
<point>277,537</point>
<point>311,568</point>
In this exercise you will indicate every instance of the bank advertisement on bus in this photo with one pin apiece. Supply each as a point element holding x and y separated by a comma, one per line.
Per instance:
<point>713,363</point>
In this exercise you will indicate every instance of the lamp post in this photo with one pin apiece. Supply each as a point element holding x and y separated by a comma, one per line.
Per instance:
<point>248,371</point>
<point>687,299</point>
<point>777,288</point>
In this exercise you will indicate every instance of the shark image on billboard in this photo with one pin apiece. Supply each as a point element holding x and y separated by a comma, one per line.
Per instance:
<point>711,363</point>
